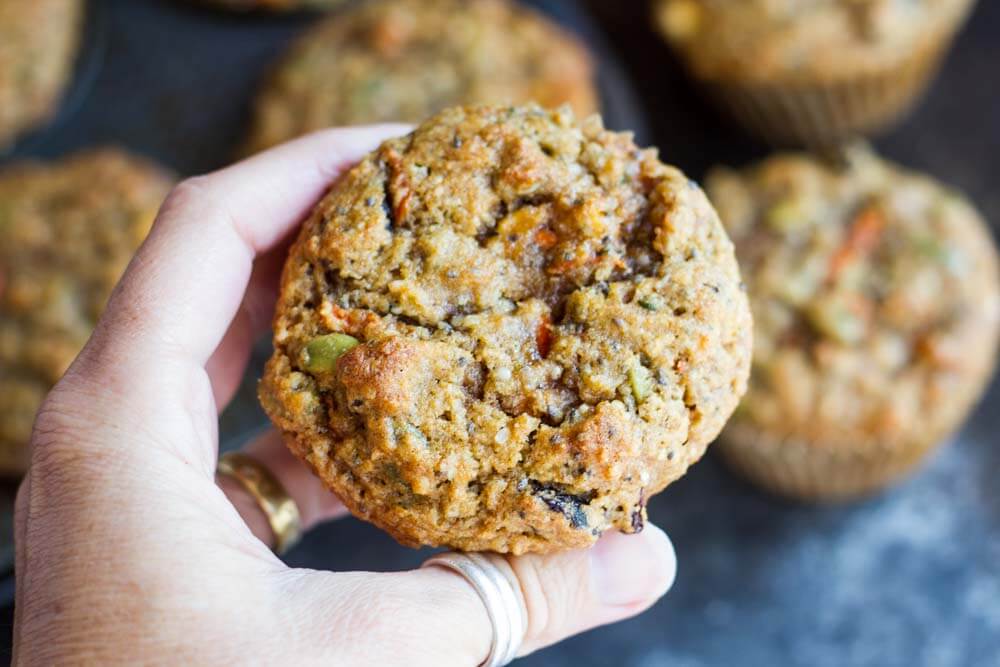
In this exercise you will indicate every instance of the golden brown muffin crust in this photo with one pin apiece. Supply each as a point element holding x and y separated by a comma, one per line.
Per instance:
<point>38,45</point>
<point>402,60</point>
<point>67,231</point>
<point>551,329</point>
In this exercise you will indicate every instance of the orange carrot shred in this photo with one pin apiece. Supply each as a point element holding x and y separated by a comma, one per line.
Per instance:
<point>545,238</point>
<point>543,337</point>
<point>863,236</point>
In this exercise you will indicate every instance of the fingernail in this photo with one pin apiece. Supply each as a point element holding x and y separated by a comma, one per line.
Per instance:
<point>632,569</point>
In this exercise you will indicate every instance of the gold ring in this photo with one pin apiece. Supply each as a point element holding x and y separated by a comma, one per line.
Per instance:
<point>281,511</point>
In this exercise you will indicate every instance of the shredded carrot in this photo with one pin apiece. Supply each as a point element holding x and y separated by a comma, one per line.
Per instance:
<point>562,266</point>
<point>340,313</point>
<point>403,207</point>
<point>567,265</point>
<point>863,236</point>
<point>353,321</point>
<point>931,349</point>
<point>543,337</point>
<point>545,238</point>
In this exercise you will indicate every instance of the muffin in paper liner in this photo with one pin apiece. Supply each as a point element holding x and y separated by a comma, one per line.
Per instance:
<point>816,78</point>
<point>68,229</point>
<point>272,5</point>
<point>825,113</point>
<point>802,470</point>
<point>404,60</point>
<point>876,306</point>
<point>39,41</point>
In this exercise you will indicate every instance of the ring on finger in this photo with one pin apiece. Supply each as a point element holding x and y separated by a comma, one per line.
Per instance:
<point>280,509</point>
<point>492,578</point>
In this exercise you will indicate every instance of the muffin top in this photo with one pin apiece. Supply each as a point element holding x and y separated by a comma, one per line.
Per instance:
<point>782,39</point>
<point>272,5</point>
<point>875,299</point>
<point>402,60</point>
<point>507,330</point>
<point>67,231</point>
<point>38,43</point>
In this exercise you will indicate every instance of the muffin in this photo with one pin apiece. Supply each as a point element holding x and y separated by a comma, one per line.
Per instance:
<point>402,60</point>
<point>272,5</point>
<point>506,331</point>
<point>38,45</point>
<point>813,72</point>
<point>67,230</point>
<point>875,299</point>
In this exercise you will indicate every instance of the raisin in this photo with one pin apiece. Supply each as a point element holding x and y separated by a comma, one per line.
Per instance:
<point>567,504</point>
<point>638,519</point>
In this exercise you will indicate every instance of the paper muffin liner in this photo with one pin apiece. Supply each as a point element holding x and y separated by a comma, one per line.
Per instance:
<point>825,113</point>
<point>817,472</point>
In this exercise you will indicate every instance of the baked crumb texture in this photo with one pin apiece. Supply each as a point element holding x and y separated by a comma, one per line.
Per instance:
<point>551,328</point>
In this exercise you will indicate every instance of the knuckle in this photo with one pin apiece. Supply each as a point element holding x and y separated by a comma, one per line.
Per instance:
<point>188,194</point>
<point>189,197</point>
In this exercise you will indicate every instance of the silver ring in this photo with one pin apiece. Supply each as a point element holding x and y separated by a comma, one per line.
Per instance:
<point>494,580</point>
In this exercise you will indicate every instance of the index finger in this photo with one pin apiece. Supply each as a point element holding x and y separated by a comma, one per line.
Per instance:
<point>188,279</point>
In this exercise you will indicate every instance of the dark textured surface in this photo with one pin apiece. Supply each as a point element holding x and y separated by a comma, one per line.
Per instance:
<point>911,578</point>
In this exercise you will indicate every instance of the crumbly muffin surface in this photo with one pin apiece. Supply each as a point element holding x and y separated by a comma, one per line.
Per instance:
<point>550,329</point>
<point>402,60</point>
<point>875,300</point>
<point>67,231</point>
<point>38,44</point>
<point>785,39</point>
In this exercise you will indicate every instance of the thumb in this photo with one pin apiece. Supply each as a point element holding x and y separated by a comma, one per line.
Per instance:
<point>433,616</point>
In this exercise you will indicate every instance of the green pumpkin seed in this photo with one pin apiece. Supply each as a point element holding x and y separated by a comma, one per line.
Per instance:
<point>321,353</point>
<point>641,381</point>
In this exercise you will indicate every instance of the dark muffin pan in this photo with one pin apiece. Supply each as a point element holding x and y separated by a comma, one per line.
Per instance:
<point>909,578</point>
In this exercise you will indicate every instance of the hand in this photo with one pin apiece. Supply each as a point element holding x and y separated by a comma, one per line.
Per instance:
<point>128,551</point>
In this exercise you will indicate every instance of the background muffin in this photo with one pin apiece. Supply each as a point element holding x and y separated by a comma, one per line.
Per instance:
<point>506,331</point>
<point>813,71</point>
<point>272,5</point>
<point>38,45</point>
<point>67,231</point>
<point>875,299</point>
<point>402,60</point>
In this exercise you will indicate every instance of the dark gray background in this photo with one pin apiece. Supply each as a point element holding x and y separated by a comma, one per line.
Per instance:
<point>911,578</point>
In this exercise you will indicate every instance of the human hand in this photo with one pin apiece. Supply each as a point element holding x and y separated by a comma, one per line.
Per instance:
<point>127,549</point>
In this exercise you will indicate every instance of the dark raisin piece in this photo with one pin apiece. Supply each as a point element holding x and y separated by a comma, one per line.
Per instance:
<point>638,523</point>
<point>567,504</point>
<point>638,519</point>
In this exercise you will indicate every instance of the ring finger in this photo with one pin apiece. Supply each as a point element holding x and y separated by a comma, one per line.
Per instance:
<point>315,502</point>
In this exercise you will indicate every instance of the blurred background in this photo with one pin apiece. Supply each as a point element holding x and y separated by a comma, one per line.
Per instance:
<point>910,577</point>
